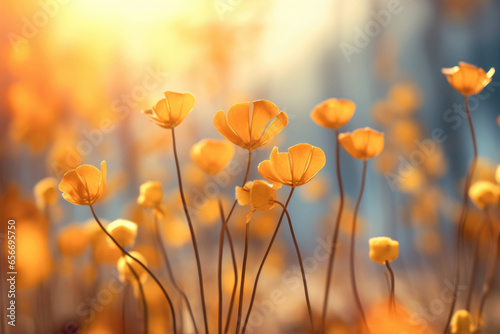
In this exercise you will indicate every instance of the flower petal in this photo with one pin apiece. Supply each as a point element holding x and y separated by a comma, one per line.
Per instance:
<point>281,165</point>
<point>72,187</point>
<point>317,161</point>
<point>300,156</point>
<point>266,170</point>
<point>347,143</point>
<point>178,105</point>
<point>222,126</point>
<point>263,112</point>
<point>276,126</point>
<point>160,112</point>
<point>91,179</point>
<point>242,195</point>
<point>238,118</point>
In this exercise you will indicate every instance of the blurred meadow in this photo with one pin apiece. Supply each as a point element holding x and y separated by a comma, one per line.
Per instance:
<point>83,82</point>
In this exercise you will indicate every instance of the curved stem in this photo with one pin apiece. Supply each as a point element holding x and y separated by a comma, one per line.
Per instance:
<point>242,284</point>
<point>143,297</point>
<point>475,263</point>
<point>463,216</point>
<point>193,236</point>
<point>221,253</point>
<point>392,299</point>
<point>335,234</point>
<point>254,290</point>
<point>172,310</point>
<point>297,250</point>
<point>352,247</point>
<point>235,271</point>
<point>171,272</point>
<point>491,273</point>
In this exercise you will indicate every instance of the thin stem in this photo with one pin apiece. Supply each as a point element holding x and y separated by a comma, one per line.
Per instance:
<point>143,297</point>
<point>242,284</point>
<point>221,253</point>
<point>254,290</point>
<point>297,250</point>
<point>491,274</point>
<point>329,271</point>
<point>392,299</point>
<point>235,271</point>
<point>193,236</point>
<point>475,263</point>
<point>353,241</point>
<point>171,272</point>
<point>463,215</point>
<point>172,310</point>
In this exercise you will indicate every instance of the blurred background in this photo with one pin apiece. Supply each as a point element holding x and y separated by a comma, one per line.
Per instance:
<point>76,74</point>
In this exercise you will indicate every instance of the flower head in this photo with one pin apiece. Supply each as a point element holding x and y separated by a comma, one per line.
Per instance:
<point>123,231</point>
<point>46,191</point>
<point>383,249</point>
<point>467,79</point>
<point>150,194</point>
<point>333,113</point>
<point>296,167</point>
<point>126,275</point>
<point>362,144</point>
<point>484,193</point>
<point>212,155</point>
<point>170,111</point>
<point>259,194</point>
<point>461,323</point>
<point>83,185</point>
<point>251,133</point>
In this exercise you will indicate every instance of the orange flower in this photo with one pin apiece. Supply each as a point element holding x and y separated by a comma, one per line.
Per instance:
<point>151,194</point>
<point>171,111</point>
<point>295,168</point>
<point>123,231</point>
<point>484,193</point>
<point>212,155</point>
<point>467,79</point>
<point>83,185</point>
<point>383,249</point>
<point>254,133</point>
<point>462,323</point>
<point>259,194</point>
<point>333,113</point>
<point>362,144</point>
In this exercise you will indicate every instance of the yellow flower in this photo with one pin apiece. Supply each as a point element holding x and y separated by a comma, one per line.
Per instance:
<point>461,323</point>
<point>383,249</point>
<point>83,185</point>
<point>126,275</point>
<point>212,155</point>
<point>46,191</point>
<point>295,168</point>
<point>123,231</point>
<point>467,79</point>
<point>484,193</point>
<point>259,194</point>
<point>254,133</point>
<point>333,113</point>
<point>362,144</point>
<point>150,194</point>
<point>171,111</point>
